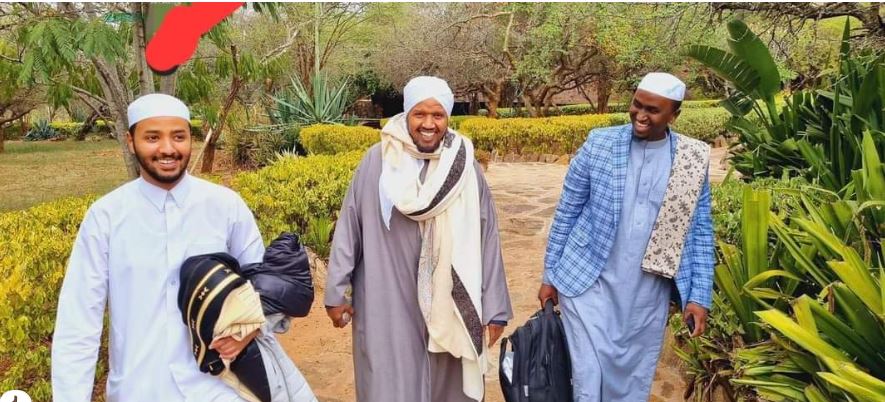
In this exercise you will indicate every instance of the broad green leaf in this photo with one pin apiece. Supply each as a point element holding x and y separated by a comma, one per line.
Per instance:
<point>754,228</point>
<point>734,70</point>
<point>751,50</point>
<point>764,276</point>
<point>862,393</point>
<point>810,341</point>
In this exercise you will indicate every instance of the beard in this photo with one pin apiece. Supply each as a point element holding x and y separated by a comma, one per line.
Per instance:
<point>145,163</point>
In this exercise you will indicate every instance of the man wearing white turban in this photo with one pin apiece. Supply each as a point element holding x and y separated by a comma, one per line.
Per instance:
<point>632,224</point>
<point>127,256</point>
<point>417,241</point>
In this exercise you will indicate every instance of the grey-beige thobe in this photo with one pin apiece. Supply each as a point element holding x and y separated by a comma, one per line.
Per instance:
<point>390,356</point>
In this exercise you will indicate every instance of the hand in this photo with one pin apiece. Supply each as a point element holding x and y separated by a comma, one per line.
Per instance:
<point>548,292</point>
<point>697,313</point>
<point>340,315</point>
<point>229,348</point>
<point>495,332</point>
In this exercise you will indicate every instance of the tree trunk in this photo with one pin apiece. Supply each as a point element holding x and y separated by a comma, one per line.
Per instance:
<point>145,75</point>
<point>87,126</point>
<point>473,108</point>
<point>529,102</point>
<point>603,93</point>
<point>117,97</point>
<point>2,138</point>
<point>493,98</point>
<point>492,106</point>
<point>168,83</point>
<point>209,147</point>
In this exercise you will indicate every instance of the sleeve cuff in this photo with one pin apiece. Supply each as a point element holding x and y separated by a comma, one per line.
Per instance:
<point>705,305</point>
<point>498,322</point>
<point>545,278</point>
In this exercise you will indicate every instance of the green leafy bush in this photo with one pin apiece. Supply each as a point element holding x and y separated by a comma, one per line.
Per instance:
<point>67,129</point>
<point>259,147</point>
<point>285,196</point>
<point>34,248</point>
<point>319,236</point>
<point>331,139</point>
<point>728,202</point>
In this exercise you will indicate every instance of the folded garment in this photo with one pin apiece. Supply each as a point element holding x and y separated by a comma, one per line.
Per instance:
<point>217,302</point>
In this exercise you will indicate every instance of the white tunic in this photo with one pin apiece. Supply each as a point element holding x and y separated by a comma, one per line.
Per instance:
<point>128,253</point>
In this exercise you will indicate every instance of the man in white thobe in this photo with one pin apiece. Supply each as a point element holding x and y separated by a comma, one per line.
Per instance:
<point>127,255</point>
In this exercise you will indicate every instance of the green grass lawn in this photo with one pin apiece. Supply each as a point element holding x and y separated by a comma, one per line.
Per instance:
<point>35,172</point>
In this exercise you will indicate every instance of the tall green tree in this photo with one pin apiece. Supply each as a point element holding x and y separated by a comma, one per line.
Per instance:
<point>16,100</point>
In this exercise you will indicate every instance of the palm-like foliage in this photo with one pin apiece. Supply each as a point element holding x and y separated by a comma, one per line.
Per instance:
<point>815,134</point>
<point>807,295</point>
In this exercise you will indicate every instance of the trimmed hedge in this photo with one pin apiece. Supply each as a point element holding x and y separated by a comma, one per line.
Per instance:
<point>69,129</point>
<point>522,135</point>
<point>704,124</point>
<point>331,139</point>
<point>288,194</point>
<point>549,135</point>
<point>454,121</point>
<point>34,247</point>
<point>579,109</point>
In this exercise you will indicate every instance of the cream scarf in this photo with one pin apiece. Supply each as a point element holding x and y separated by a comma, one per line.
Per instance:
<point>446,207</point>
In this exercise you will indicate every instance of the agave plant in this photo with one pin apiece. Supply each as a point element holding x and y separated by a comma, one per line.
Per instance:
<point>815,134</point>
<point>41,131</point>
<point>324,103</point>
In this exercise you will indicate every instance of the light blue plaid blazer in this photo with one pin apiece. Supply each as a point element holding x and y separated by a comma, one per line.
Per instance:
<point>585,224</point>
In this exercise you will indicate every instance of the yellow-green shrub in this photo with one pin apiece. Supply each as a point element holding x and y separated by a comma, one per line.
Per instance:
<point>34,248</point>
<point>549,135</point>
<point>704,124</point>
<point>286,195</point>
<point>331,139</point>
<point>454,121</point>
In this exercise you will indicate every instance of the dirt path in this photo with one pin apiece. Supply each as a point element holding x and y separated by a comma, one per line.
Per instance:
<point>526,195</point>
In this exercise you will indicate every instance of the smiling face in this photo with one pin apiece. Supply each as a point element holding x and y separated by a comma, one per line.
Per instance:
<point>651,114</point>
<point>428,124</point>
<point>162,146</point>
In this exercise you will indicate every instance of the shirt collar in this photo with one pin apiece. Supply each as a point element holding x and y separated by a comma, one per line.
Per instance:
<point>157,196</point>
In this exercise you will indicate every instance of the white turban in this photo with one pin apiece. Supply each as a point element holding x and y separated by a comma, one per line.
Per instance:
<point>663,84</point>
<point>156,105</point>
<point>422,88</point>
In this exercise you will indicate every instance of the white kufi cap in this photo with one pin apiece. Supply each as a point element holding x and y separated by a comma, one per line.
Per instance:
<point>156,105</point>
<point>663,84</point>
<point>422,88</point>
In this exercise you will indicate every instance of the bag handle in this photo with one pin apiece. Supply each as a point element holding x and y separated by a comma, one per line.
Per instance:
<point>548,306</point>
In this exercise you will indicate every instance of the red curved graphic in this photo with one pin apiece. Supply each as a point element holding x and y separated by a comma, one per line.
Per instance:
<point>178,35</point>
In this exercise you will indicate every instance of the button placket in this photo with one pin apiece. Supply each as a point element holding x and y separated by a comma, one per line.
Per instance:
<point>172,218</point>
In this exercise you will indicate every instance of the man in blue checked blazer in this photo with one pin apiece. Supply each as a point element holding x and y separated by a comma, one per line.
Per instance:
<point>613,311</point>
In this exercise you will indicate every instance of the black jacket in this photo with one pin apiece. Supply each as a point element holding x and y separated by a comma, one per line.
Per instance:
<point>283,279</point>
